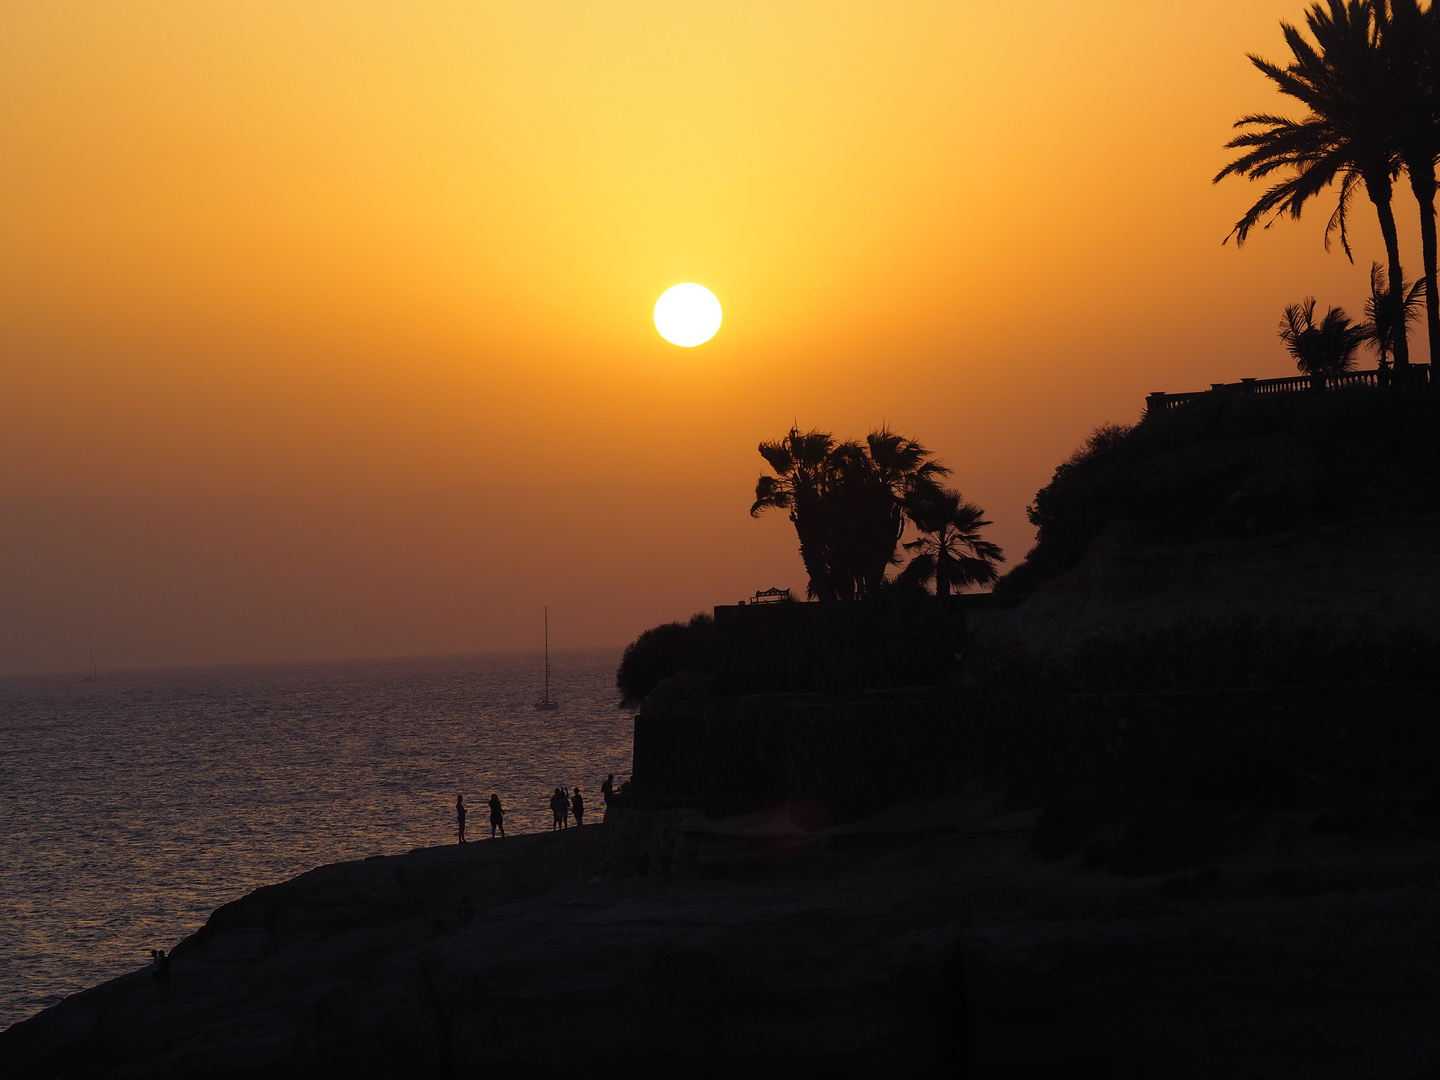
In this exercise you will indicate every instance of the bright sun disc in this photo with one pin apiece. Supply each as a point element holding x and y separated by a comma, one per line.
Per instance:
<point>687,315</point>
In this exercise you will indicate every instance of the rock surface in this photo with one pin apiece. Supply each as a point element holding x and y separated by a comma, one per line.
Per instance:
<point>885,950</point>
<point>1383,570</point>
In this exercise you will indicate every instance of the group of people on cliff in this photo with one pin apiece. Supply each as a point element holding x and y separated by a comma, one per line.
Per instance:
<point>562,806</point>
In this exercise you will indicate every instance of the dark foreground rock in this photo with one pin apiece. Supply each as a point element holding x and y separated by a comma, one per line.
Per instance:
<point>874,950</point>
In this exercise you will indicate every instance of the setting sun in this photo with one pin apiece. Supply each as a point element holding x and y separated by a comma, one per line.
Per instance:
<point>687,315</point>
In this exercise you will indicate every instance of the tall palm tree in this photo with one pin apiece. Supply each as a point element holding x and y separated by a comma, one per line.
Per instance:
<point>950,550</point>
<point>1410,43</point>
<point>804,475</point>
<point>908,479</point>
<point>1378,328</point>
<point>1323,348</point>
<point>1349,135</point>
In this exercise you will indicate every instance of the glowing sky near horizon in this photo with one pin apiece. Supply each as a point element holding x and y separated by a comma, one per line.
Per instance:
<point>325,328</point>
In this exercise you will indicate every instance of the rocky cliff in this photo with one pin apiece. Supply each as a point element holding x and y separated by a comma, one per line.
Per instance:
<point>1382,571</point>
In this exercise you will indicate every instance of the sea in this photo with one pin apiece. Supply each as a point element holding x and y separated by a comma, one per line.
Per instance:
<point>133,805</point>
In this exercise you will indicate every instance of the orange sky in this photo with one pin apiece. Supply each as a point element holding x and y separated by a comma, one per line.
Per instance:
<point>325,328</point>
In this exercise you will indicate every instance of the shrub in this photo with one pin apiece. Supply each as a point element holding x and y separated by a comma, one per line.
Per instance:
<point>662,651</point>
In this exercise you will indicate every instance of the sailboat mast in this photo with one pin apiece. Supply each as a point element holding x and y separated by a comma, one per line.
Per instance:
<point>545,703</point>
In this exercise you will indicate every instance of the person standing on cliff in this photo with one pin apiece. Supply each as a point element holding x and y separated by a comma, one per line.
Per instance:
<point>555,810</point>
<point>497,816</point>
<point>608,788</point>
<point>460,819</point>
<point>577,807</point>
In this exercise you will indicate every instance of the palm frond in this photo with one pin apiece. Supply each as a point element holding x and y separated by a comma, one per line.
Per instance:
<point>777,456</point>
<point>1337,73</point>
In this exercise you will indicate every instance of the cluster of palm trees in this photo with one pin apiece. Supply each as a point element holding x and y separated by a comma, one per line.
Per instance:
<point>1369,77</point>
<point>1328,347</point>
<point>850,503</point>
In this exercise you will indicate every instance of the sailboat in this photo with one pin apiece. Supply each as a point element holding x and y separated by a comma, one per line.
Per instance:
<point>91,677</point>
<point>545,704</point>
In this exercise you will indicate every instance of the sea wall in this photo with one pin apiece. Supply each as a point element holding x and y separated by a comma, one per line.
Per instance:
<point>1305,745</point>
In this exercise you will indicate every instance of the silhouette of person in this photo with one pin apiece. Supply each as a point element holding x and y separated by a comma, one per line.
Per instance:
<point>562,806</point>
<point>577,807</point>
<point>608,788</point>
<point>497,816</point>
<point>460,819</point>
<point>555,809</point>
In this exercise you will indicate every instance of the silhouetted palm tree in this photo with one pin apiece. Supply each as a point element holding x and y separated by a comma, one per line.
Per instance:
<point>1410,42</point>
<point>1319,349</point>
<point>908,480</point>
<point>950,550</point>
<point>1378,329</point>
<point>1350,134</point>
<point>805,473</point>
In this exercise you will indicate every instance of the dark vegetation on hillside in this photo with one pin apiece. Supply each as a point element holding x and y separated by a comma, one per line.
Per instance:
<point>1231,465</point>
<point>910,642</point>
<point>662,651</point>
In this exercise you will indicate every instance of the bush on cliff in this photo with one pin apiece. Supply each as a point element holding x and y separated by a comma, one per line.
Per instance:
<point>1070,511</point>
<point>662,651</point>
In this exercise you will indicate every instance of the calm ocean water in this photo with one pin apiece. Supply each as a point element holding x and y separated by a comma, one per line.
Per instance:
<point>133,806</point>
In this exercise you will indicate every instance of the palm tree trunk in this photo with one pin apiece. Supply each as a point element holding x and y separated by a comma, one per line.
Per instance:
<point>1379,191</point>
<point>812,548</point>
<point>1422,182</point>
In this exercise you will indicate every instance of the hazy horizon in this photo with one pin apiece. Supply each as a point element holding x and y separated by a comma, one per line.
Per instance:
<point>304,664</point>
<point>325,331</point>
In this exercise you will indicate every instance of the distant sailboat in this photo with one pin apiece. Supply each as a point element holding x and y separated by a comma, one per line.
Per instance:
<point>91,677</point>
<point>545,704</point>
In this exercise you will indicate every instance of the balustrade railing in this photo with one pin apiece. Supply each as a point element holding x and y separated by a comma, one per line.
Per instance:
<point>1418,375</point>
